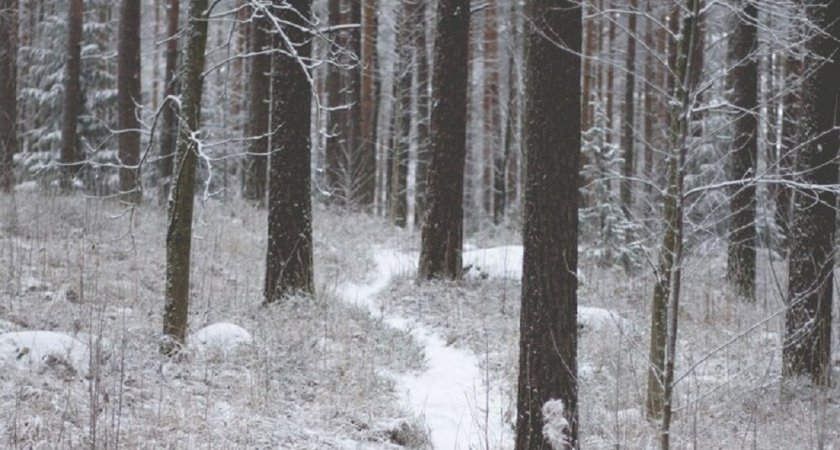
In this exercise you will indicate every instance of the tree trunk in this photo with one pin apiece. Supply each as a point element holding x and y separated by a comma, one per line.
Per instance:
<point>289,255</point>
<point>792,103</point>
<point>548,323</point>
<point>180,209</point>
<point>442,235</point>
<point>401,118</point>
<point>628,125</point>
<point>493,153</point>
<point>8,92</point>
<point>128,97</point>
<point>353,98</point>
<point>368,112</point>
<point>807,343</point>
<point>335,114</point>
<point>169,128</point>
<point>421,55</point>
<point>70,154</point>
<point>258,113</point>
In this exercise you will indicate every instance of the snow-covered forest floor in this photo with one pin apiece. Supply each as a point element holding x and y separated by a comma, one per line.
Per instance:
<point>326,373</point>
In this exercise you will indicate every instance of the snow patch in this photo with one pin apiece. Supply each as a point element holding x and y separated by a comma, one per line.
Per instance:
<point>555,425</point>
<point>31,347</point>
<point>219,336</point>
<point>598,318</point>
<point>496,262</point>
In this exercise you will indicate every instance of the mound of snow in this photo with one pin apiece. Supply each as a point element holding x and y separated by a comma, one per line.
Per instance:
<point>38,346</point>
<point>597,318</point>
<point>220,336</point>
<point>497,262</point>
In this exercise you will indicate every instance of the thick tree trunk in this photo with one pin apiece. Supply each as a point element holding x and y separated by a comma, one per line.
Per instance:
<point>743,158</point>
<point>421,55</point>
<point>169,128</point>
<point>368,112</point>
<point>256,177</point>
<point>70,154</point>
<point>548,323</point>
<point>289,256</point>
<point>442,235</point>
<point>180,210</point>
<point>807,344</point>
<point>128,97</point>
<point>8,92</point>
<point>628,125</point>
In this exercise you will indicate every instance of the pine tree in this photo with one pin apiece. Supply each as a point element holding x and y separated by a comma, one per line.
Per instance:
<point>8,91</point>
<point>128,87</point>
<point>73,97</point>
<point>258,115</point>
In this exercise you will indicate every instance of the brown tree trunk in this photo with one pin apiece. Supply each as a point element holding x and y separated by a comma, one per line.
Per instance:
<point>548,321</point>
<point>335,146</point>
<point>128,97</point>
<point>368,112</point>
<point>353,98</point>
<point>493,153</point>
<point>442,235</point>
<point>421,55</point>
<point>181,199</point>
<point>256,176</point>
<point>743,158</point>
<point>169,128</point>
<point>8,92</point>
<point>289,257</point>
<point>401,118</point>
<point>628,125</point>
<point>807,344</point>
<point>70,153</point>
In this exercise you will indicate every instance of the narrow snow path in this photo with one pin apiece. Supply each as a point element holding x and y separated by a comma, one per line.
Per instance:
<point>458,409</point>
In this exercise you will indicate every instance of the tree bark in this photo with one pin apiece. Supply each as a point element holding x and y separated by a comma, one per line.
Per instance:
<point>71,157</point>
<point>401,117</point>
<point>807,343</point>
<point>335,151</point>
<point>548,323</point>
<point>181,201</point>
<point>792,102</point>
<point>628,125</point>
<point>289,257</point>
<point>128,96</point>
<point>368,112</point>
<point>259,110</point>
<point>169,128</point>
<point>442,234</point>
<point>8,92</point>
<point>421,56</point>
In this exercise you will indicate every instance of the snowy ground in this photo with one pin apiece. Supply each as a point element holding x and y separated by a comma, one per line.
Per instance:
<point>374,361</point>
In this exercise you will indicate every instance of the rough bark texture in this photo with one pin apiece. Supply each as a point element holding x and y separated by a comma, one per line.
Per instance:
<point>367,157</point>
<point>401,118</point>
<point>70,153</point>
<point>256,177</point>
<point>353,98</point>
<point>628,124</point>
<point>548,322</point>
<point>442,235</point>
<point>8,91</point>
<point>743,157</point>
<point>289,255</point>
<point>787,152</point>
<point>128,96</point>
<point>807,344</point>
<point>180,209</point>
<point>169,128</point>
<point>336,115</point>
<point>421,56</point>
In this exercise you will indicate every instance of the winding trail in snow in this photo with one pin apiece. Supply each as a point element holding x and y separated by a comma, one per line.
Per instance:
<point>459,410</point>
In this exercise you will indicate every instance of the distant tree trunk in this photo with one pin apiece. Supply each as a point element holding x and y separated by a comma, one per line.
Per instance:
<point>743,158</point>
<point>180,209</point>
<point>353,98</point>
<point>421,55</point>
<point>128,96</point>
<point>493,153</point>
<point>792,103</point>
<point>8,92</point>
<point>336,115</point>
<point>589,54</point>
<point>628,125</point>
<point>401,118</point>
<point>650,81</point>
<point>169,127</point>
<point>548,321</point>
<point>368,112</point>
<point>609,93</point>
<point>70,153</point>
<point>807,343</point>
<point>442,235</point>
<point>289,256</point>
<point>256,177</point>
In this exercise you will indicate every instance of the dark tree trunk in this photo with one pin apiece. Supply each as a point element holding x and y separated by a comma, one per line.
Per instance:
<point>70,154</point>
<point>807,344</point>
<point>289,256</point>
<point>256,176</point>
<point>421,55</point>
<point>628,125</point>
<point>336,115</point>
<point>180,210</point>
<point>169,128</point>
<point>548,323</point>
<point>442,235</point>
<point>128,96</point>
<point>401,118</point>
<point>8,92</point>
<point>743,158</point>
<point>353,98</point>
<point>787,153</point>
<point>368,112</point>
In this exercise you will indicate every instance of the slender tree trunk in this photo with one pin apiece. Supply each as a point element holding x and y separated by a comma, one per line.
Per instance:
<point>353,98</point>
<point>367,157</point>
<point>807,344</point>
<point>335,101</point>
<point>493,153</point>
<point>792,103</point>
<point>650,82</point>
<point>548,322</point>
<point>289,258</point>
<point>588,55</point>
<point>743,160</point>
<point>8,92</point>
<point>181,201</point>
<point>628,124</point>
<point>421,55</point>
<point>70,154</point>
<point>442,235</point>
<point>258,112</point>
<point>128,97</point>
<point>609,94</point>
<point>401,118</point>
<point>169,128</point>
